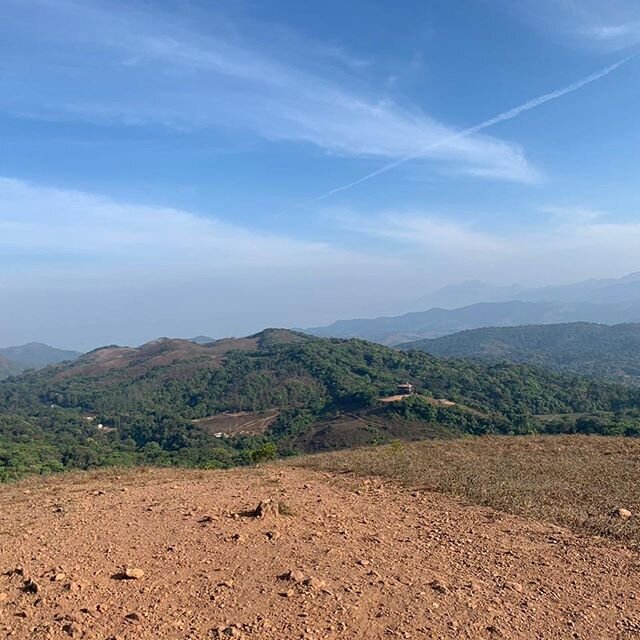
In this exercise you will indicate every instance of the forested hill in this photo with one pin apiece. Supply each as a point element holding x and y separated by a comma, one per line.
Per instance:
<point>610,352</point>
<point>34,355</point>
<point>164,402</point>
<point>8,368</point>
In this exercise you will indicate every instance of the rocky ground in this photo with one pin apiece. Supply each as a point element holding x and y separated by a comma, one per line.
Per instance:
<point>185,555</point>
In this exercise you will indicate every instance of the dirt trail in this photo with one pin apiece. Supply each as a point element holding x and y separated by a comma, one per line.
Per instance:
<point>367,560</point>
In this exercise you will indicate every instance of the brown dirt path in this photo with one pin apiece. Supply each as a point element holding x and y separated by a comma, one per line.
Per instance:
<point>375,562</point>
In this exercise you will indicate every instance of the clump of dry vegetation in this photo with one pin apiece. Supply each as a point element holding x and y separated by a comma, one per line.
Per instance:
<point>577,481</point>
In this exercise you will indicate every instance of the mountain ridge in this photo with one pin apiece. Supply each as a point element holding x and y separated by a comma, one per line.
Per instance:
<point>604,351</point>
<point>438,322</point>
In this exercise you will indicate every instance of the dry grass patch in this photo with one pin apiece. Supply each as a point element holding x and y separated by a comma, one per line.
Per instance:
<point>576,481</point>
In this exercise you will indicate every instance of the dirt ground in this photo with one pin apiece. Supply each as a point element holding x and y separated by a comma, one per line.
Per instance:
<point>180,555</point>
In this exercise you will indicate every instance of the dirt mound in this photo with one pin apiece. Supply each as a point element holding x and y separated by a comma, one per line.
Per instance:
<point>182,555</point>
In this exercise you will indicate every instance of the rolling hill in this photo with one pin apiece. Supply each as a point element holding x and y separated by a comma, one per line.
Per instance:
<point>590,349</point>
<point>164,402</point>
<point>34,355</point>
<point>439,322</point>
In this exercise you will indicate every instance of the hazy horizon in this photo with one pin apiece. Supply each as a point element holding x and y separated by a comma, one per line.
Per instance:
<point>183,169</point>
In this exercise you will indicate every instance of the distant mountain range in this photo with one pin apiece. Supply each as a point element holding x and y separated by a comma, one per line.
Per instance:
<point>604,291</point>
<point>440,322</point>
<point>595,350</point>
<point>612,301</point>
<point>34,355</point>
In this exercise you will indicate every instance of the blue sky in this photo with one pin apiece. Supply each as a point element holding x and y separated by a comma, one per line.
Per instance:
<point>165,164</point>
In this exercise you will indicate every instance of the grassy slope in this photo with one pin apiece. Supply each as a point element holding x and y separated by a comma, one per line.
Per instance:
<point>575,481</point>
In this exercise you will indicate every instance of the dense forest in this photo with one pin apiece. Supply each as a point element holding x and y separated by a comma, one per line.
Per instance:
<point>601,351</point>
<point>128,406</point>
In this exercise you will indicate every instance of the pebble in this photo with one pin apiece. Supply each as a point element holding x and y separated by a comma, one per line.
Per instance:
<point>133,573</point>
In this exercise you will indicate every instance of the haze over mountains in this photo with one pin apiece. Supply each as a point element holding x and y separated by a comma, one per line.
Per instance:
<point>33,355</point>
<point>603,291</point>
<point>610,301</point>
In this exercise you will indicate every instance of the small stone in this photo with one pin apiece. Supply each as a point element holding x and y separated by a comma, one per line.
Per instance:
<point>58,577</point>
<point>294,575</point>
<point>363,563</point>
<point>133,573</point>
<point>133,617</point>
<point>315,583</point>
<point>72,629</point>
<point>624,514</point>
<point>228,584</point>
<point>30,586</point>
<point>4,596</point>
<point>266,508</point>
<point>514,586</point>
<point>72,586</point>
<point>272,535</point>
<point>438,586</point>
<point>289,593</point>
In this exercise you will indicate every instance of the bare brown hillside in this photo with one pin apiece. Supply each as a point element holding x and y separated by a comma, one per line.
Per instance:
<point>182,555</point>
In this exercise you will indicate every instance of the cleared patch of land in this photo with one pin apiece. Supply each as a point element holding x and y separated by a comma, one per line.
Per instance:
<point>238,423</point>
<point>575,481</point>
<point>178,555</point>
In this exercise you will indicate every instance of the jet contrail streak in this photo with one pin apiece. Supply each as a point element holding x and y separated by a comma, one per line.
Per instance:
<point>507,115</point>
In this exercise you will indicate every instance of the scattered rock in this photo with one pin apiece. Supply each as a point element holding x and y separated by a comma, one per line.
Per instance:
<point>294,575</point>
<point>30,586</point>
<point>72,629</point>
<point>315,583</point>
<point>623,514</point>
<point>266,508</point>
<point>58,577</point>
<point>132,573</point>
<point>363,563</point>
<point>439,586</point>
<point>272,535</point>
<point>72,586</point>
<point>514,586</point>
<point>4,596</point>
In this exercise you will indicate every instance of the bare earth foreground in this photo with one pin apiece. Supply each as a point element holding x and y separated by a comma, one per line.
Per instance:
<point>345,558</point>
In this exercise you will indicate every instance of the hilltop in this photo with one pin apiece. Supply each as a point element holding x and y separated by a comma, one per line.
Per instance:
<point>236,401</point>
<point>590,349</point>
<point>178,555</point>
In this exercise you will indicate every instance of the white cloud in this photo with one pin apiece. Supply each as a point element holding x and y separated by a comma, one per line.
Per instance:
<point>77,226</point>
<point>580,243</point>
<point>143,69</point>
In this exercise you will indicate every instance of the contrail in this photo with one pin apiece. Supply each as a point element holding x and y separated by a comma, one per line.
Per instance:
<point>507,115</point>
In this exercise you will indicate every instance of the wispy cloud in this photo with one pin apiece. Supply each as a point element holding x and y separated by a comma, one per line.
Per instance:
<point>461,136</point>
<point>578,240</point>
<point>140,68</point>
<point>72,227</point>
<point>611,25</point>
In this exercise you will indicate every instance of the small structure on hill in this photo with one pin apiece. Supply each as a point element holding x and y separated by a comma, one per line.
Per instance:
<point>406,389</point>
